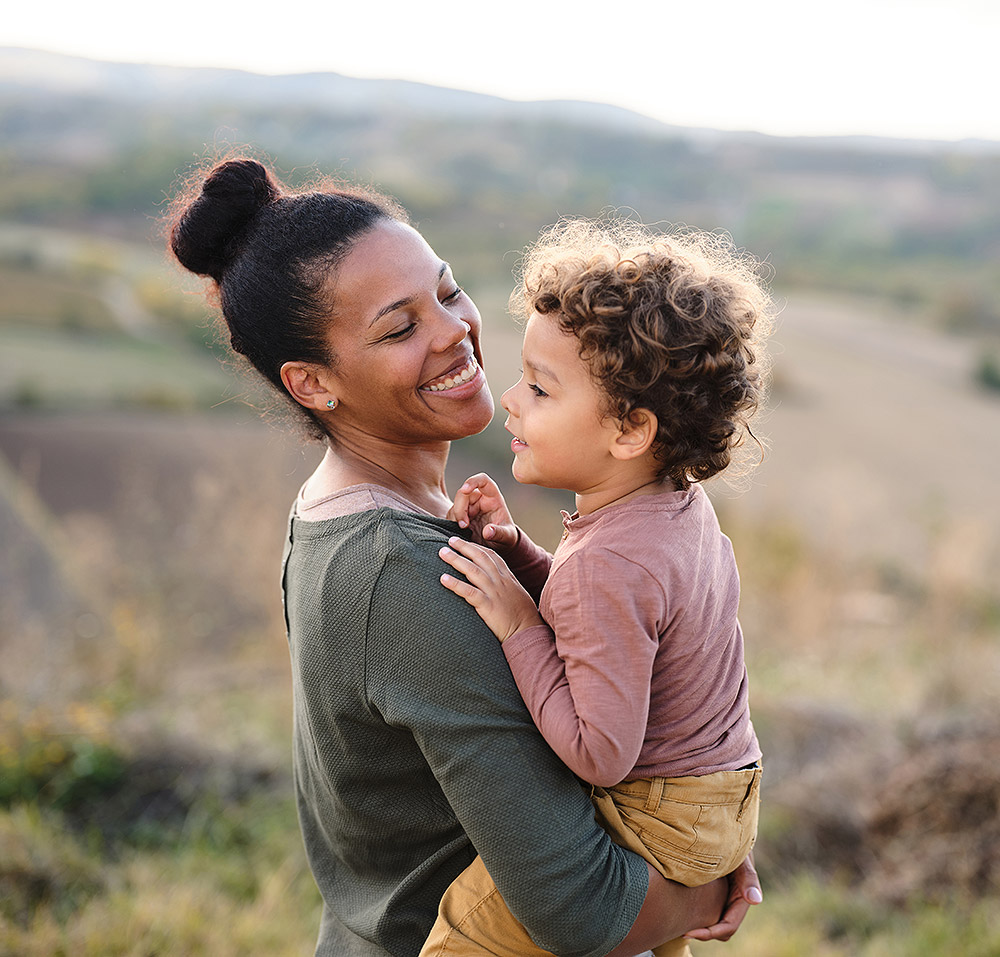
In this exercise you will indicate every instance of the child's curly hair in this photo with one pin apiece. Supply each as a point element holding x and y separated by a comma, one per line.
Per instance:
<point>673,323</point>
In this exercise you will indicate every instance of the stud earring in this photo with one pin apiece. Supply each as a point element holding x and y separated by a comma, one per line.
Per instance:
<point>331,403</point>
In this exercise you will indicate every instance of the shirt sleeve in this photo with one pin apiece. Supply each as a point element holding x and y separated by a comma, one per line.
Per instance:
<point>587,681</point>
<point>530,564</point>
<point>437,672</point>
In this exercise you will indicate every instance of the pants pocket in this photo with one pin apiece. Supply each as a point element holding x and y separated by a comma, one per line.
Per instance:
<point>688,840</point>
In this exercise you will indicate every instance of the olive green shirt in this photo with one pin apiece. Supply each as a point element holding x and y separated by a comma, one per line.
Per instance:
<point>413,751</point>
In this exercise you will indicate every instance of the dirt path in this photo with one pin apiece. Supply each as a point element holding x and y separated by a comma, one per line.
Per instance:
<point>880,442</point>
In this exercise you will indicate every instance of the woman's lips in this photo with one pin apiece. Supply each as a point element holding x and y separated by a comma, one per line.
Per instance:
<point>454,377</point>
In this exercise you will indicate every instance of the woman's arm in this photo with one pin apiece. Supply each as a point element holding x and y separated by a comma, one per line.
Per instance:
<point>670,906</point>
<point>436,673</point>
<point>668,912</point>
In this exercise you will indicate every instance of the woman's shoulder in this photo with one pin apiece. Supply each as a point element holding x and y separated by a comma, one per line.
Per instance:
<point>377,523</point>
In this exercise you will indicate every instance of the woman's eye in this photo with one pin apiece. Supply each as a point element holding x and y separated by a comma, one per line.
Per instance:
<point>400,333</point>
<point>540,392</point>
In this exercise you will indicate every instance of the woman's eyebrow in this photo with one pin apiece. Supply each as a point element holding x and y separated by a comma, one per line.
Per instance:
<point>405,301</point>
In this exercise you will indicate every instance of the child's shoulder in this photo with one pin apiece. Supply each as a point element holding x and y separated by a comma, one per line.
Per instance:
<point>668,503</point>
<point>648,520</point>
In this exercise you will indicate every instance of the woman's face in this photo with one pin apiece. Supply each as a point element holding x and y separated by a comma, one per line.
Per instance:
<point>408,365</point>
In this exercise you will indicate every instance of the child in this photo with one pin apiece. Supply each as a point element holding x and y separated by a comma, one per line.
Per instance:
<point>641,368</point>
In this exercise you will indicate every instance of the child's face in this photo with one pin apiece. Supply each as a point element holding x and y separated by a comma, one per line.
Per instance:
<point>561,438</point>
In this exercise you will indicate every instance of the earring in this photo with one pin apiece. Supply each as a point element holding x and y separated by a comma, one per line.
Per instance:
<point>331,403</point>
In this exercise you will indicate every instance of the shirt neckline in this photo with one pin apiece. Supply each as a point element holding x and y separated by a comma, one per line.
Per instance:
<point>364,497</point>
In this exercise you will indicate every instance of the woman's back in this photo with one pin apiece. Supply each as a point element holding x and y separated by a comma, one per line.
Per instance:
<point>413,747</point>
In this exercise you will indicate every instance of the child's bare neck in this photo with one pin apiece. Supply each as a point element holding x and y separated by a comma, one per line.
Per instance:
<point>589,502</point>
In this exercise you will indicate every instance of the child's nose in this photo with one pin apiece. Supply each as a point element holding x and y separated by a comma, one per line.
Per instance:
<point>506,400</point>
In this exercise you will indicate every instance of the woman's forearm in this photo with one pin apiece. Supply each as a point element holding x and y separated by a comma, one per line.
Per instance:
<point>670,910</point>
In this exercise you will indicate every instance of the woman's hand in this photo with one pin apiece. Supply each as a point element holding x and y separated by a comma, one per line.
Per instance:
<point>480,507</point>
<point>744,890</point>
<point>490,587</point>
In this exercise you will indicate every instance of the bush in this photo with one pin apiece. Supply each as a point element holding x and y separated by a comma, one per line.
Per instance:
<point>59,768</point>
<point>988,372</point>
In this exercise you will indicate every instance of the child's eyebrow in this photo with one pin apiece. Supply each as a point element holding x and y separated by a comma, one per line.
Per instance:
<point>542,370</point>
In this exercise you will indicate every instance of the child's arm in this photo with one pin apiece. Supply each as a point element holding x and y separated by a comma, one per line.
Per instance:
<point>587,682</point>
<point>490,587</point>
<point>480,507</point>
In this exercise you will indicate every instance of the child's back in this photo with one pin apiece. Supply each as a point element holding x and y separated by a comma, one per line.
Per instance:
<point>645,595</point>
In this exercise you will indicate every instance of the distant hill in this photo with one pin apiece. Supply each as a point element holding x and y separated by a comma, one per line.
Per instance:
<point>62,74</point>
<point>101,145</point>
<point>54,73</point>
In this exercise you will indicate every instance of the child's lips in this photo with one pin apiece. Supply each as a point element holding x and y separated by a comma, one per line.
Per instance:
<point>516,443</point>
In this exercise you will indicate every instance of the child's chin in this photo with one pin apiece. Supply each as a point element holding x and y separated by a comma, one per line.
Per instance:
<point>519,474</point>
<point>526,478</point>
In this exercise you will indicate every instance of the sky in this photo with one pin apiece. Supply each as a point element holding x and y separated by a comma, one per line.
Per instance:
<point>903,68</point>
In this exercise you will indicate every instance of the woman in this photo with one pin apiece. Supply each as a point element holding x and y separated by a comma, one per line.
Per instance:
<point>411,744</point>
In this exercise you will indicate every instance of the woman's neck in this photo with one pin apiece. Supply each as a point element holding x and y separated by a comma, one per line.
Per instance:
<point>415,474</point>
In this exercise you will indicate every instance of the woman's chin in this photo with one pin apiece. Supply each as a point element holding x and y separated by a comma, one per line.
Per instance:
<point>473,415</point>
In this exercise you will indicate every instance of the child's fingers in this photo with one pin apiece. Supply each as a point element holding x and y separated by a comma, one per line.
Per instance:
<point>481,566</point>
<point>482,486</point>
<point>462,588</point>
<point>475,503</point>
<point>503,536</point>
<point>459,511</point>
<point>465,566</point>
<point>466,506</point>
<point>478,481</point>
<point>469,549</point>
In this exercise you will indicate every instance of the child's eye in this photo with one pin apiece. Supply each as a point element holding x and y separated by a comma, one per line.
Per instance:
<point>538,390</point>
<point>452,296</point>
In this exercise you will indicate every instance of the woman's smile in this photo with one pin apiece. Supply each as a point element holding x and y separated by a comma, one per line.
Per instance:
<point>467,371</point>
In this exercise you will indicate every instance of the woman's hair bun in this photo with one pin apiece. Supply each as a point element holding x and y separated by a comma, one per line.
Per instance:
<point>207,235</point>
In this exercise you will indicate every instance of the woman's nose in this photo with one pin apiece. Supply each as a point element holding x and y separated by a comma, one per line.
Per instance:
<point>453,331</point>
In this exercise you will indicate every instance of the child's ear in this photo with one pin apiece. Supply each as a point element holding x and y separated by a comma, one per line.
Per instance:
<point>637,435</point>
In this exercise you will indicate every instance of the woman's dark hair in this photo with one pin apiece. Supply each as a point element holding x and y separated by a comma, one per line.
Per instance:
<point>673,323</point>
<point>270,252</point>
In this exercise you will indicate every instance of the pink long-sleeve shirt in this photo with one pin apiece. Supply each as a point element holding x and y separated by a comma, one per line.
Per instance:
<point>639,671</point>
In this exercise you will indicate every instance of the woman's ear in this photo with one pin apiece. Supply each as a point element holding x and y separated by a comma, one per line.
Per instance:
<point>637,435</point>
<point>308,385</point>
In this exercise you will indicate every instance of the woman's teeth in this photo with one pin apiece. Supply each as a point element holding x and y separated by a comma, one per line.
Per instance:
<point>463,375</point>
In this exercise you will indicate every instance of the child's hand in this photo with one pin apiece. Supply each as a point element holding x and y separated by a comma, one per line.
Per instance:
<point>480,507</point>
<point>490,588</point>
